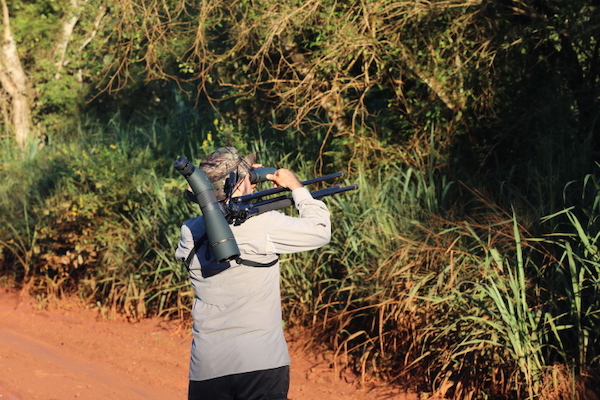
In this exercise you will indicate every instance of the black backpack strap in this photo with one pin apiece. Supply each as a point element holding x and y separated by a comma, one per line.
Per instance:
<point>239,260</point>
<point>256,264</point>
<point>197,245</point>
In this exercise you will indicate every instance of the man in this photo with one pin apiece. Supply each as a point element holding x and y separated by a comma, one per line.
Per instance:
<point>239,350</point>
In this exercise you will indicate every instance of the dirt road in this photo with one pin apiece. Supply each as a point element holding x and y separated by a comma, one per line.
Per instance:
<point>67,352</point>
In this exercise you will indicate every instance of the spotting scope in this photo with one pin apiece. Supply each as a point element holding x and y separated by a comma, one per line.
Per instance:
<point>219,233</point>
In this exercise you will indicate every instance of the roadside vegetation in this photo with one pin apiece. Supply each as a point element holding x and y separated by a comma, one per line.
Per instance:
<point>466,265</point>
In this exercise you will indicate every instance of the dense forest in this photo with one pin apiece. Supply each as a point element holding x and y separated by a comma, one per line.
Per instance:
<point>465,266</point>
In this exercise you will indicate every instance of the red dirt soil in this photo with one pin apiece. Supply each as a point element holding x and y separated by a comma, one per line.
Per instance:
<point>64,351</point>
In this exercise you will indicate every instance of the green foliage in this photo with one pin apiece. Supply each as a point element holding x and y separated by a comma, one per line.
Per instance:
<point>446,113</point>
<point>502,90</point>
<point>468,309</point>
<point>62,80</point>
<point>102,224</point>
<point>463,309</point>
<point>357,293</point>
<point>35,24</point>
<point>572,277</point>
<point>59,102</point>
<point>507,328</point>
<point>99,216</point>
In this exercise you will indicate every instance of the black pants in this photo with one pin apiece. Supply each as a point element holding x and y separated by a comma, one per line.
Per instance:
<point>269,384</point>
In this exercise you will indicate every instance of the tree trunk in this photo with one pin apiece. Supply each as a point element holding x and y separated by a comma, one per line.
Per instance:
<point>60,52</point>
<point>14,83</point>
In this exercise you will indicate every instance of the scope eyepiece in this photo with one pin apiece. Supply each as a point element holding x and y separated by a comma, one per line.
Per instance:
<point>260,174</point>
<point>184,166</point>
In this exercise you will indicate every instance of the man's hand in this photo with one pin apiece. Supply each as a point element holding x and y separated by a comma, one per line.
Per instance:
<point>284,178</point>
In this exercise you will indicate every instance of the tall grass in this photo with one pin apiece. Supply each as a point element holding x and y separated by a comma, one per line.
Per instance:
<point>504,324</point>
<point>464,306</point>
<point>95,217</point>
<point>360,291</point>
<point>465,310</point>
<point>99,216</point>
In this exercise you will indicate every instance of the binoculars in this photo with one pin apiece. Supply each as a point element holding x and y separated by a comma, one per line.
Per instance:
<point>260,174</point>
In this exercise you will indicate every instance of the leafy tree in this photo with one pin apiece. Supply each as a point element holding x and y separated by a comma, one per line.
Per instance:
<point>50,60</point>
<point>373,71</point>
<point>541,130</point>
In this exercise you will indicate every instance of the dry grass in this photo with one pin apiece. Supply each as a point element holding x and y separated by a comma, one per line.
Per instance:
<point>560,383</point>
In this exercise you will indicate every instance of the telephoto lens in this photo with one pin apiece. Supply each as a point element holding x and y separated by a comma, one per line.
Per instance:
<point>260,174</point>
<point>219,233</point>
